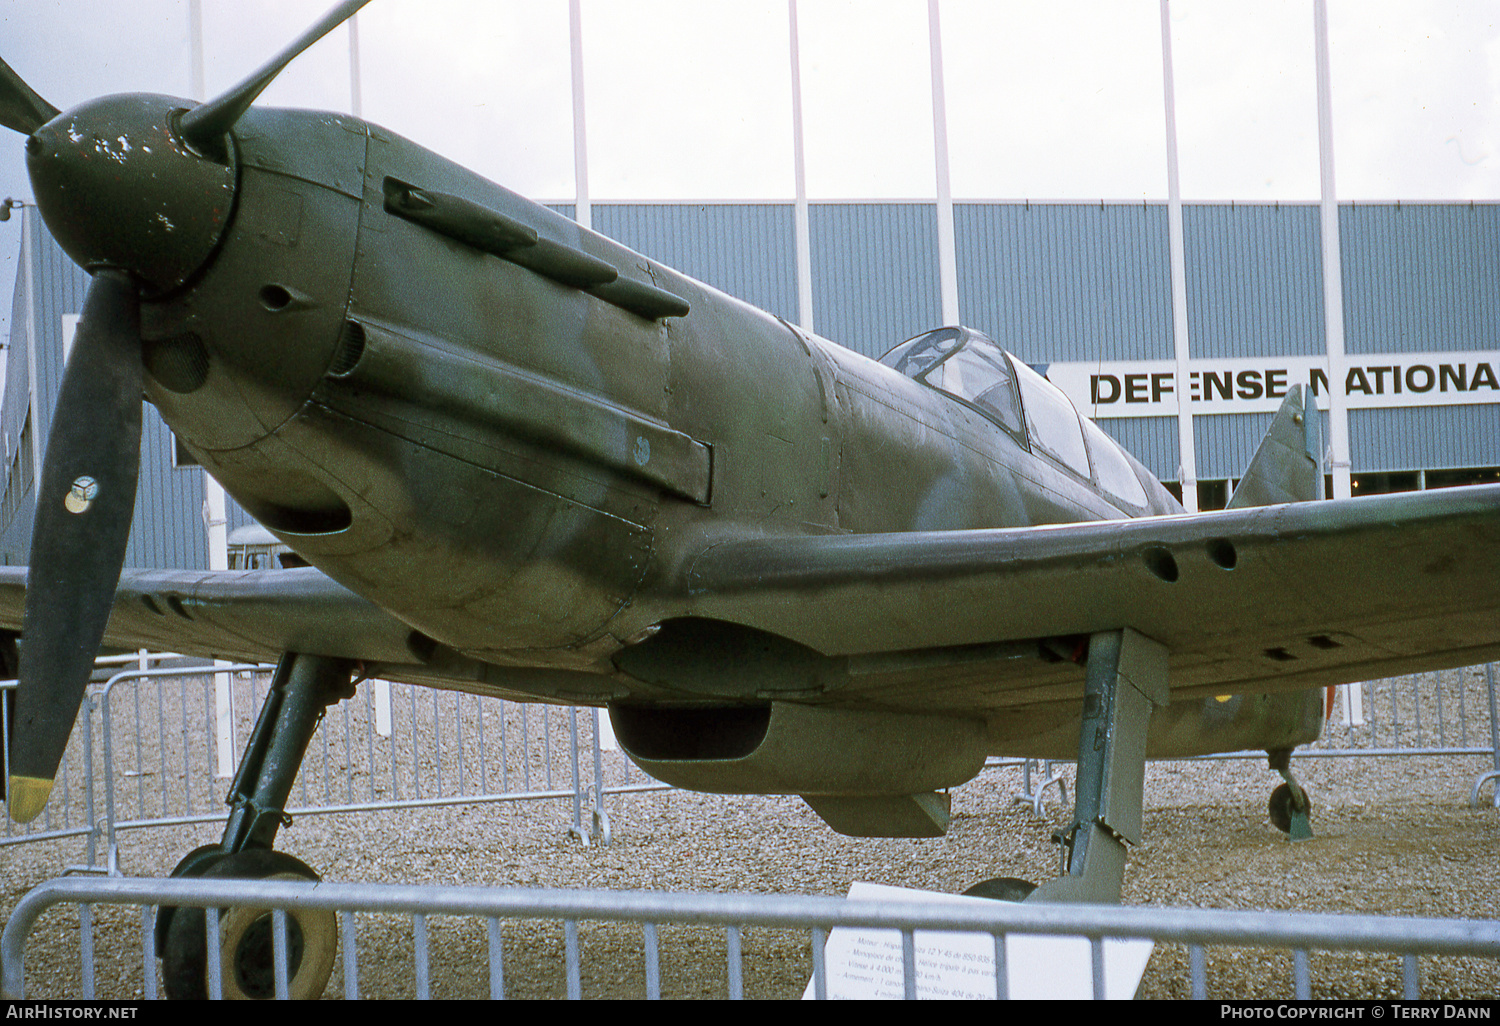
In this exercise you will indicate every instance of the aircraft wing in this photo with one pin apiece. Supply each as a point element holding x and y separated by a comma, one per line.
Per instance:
<point>1252,600</point>
<point>252,615</point>
<point>1261,599</point>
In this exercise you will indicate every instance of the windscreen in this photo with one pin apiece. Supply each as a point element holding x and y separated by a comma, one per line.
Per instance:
<point>1051,421</point>
<point>1116,475</point>
<point>966,364</point>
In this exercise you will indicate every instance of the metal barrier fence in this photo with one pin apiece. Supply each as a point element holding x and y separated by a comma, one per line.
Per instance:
<point>1451,712</point>
<point>730,916</point>
<point>147,753</point>
<point>1447,713</point>
<point>163,743</point>
<point>157,747</point>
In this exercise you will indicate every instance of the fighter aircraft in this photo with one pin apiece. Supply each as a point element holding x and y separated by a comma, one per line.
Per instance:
<point>525,461</point>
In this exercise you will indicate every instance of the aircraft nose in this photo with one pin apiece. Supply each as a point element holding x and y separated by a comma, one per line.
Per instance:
<point>119,190</point>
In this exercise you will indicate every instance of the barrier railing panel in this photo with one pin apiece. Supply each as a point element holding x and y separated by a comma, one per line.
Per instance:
<point>71,811</point>
<point>157,747</point>
<point>442,941</point>
<point>1434,711</point>
<point>157,738</point>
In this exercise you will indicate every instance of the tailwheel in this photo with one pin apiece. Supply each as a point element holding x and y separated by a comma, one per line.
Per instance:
<point>246,945</point>
<point>1285,810</point>
<point>1002,888</point>
<point>1290,807</point>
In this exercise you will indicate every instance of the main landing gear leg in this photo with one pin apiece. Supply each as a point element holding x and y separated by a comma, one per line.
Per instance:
<point>304,686</point>
<point>1126,678</point>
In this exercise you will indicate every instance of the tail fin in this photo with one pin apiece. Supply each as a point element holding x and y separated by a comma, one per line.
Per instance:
<point>1288,466</point>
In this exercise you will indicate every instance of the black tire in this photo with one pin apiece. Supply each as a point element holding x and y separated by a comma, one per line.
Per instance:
<point>1280,807</point>
<point>10,655</point>
<point>1002,888</point>
<point>194,863</point>
<point>245,949</point>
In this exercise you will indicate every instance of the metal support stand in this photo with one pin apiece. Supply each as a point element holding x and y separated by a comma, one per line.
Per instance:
<point>1493,776</point>
<point>599,830</point>
<point>1126,677</point>
<point>1037,797</point>
<point>303,687</point>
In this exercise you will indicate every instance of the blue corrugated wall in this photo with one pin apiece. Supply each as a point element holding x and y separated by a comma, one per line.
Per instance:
<point>1254,280</point>
<point>1420,277</point>
<point>1224,444</point>
<point>1152,440</point>
<point>1075,282</point>
<point>874,273</point>
<point>1429,437</point>
<point>744,249</point>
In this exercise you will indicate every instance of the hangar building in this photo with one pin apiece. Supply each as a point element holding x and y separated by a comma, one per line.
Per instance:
<point>1082,288</point>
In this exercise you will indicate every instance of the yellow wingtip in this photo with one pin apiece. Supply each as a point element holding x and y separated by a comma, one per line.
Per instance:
<point>27,797</point>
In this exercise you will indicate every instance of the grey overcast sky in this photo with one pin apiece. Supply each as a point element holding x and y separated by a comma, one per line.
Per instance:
<point>691,99</point>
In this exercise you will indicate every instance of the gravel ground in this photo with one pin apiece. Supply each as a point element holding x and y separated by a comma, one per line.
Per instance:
<point>1395,836</point>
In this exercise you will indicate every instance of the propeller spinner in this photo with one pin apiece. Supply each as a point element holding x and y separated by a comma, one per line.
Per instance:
<point>138,190</point>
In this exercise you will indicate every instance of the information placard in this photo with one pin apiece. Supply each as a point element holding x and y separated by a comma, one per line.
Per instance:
<point>866,964</point>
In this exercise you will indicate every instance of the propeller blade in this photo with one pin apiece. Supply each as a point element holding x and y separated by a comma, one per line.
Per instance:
<point>84,508</point>
<point>205,126</point>
<point>21,109</point>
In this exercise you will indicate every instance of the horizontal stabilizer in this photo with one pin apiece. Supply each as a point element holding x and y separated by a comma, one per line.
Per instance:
<point>1288,466</point>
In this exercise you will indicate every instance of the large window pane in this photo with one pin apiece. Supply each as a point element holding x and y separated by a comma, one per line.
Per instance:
<point>1051,420</point>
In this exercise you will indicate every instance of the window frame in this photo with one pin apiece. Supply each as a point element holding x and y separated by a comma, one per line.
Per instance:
<point>1038,441</point>
<point>1124,502</point>
<point>965,336</point>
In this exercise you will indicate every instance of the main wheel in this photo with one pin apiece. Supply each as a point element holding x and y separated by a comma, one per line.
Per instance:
<point>1280,807</point>
<point>194,863</point>
<point>1002,888</point>
<point>246,953</point>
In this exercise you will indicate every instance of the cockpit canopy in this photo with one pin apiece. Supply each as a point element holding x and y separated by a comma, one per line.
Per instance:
<point>971,367</point>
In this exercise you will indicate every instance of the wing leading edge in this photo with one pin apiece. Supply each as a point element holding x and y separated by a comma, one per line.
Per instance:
<point>255,615</point>
<point>1261,599</point>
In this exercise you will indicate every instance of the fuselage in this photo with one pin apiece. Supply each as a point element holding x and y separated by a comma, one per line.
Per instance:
<point>521,469</point>
<point>522,439</point>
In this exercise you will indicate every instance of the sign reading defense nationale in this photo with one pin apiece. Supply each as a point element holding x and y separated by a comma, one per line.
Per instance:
<point>1150,388</point>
